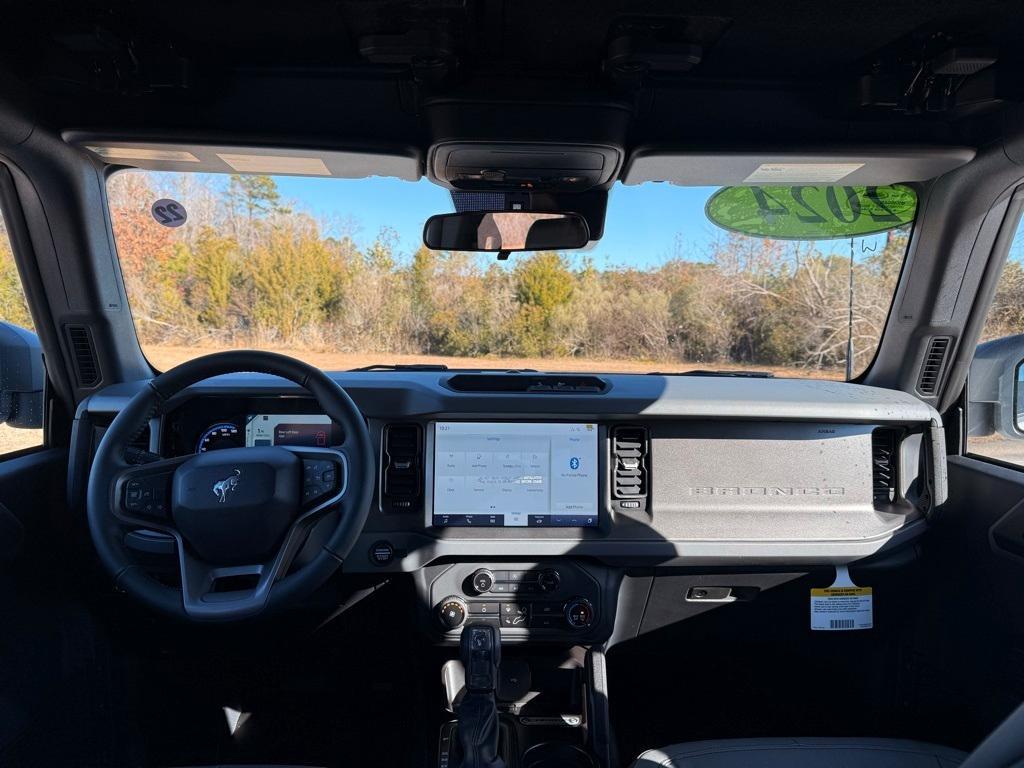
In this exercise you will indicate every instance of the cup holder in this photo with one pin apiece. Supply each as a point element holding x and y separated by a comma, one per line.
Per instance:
<point>556,754</point>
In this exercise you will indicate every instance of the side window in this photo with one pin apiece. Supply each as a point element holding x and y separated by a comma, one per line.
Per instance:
<point>21,364</point>
<point>995,394</point>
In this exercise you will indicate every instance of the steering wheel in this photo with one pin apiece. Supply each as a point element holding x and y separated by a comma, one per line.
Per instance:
<point>238,516</point>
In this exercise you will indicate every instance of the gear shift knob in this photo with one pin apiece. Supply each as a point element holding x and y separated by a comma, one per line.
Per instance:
<point>480,651</point>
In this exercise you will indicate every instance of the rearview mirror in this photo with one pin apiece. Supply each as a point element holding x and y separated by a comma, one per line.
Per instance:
<point>505,231</point>
<point>995,392</point>
<point>21,378</point>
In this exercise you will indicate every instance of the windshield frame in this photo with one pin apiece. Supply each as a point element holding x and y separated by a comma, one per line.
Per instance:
<point>654,367</point>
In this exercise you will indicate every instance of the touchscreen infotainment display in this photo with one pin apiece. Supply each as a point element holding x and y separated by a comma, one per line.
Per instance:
<point>498,474</point>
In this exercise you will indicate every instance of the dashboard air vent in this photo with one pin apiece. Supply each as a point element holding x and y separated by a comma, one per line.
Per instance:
<point>402,468</point>
<point>934,362</point>
<point>86,368</point>
<point>630,449</point>
<point>541,384</point>
<point>883,465</point>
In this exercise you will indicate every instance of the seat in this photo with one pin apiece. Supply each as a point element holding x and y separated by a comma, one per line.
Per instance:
<point>1003,748</point>
<point>802,753</point>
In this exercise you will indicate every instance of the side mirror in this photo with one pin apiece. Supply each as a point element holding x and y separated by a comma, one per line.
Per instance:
<point>22,378</point>
<point>995,389</point>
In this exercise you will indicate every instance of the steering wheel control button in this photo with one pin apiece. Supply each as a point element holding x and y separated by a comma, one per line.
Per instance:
<point>579,613</point>
<point>148,495</point>
<point>382,553</point>
<point>482,581</point>
<point>452,613</point>
<point>319,478</point>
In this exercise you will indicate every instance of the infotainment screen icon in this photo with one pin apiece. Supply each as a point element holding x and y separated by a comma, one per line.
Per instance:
<point>514,474</point>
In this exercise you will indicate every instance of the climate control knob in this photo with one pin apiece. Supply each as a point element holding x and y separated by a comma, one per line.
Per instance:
<point>579,613</point>
<point>482,581</point>
<point>548,580</point>
<point>452,612</point>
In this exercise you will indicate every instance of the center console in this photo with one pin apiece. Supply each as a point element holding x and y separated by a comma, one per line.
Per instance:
<point>560,600</point>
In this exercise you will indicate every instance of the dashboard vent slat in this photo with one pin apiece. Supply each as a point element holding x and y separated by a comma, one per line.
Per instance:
<point>629,449</point>
<point>883,465</point>
<point>933,365</point>
<point>84,352</point>
<point>402,468</point>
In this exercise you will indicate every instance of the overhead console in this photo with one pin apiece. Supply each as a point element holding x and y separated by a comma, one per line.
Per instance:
<point>525,167</point>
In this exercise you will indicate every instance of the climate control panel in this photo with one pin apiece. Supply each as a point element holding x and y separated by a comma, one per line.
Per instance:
<point>550,601</point>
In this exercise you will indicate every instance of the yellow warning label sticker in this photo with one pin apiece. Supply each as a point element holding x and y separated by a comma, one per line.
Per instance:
<point>843,606</point>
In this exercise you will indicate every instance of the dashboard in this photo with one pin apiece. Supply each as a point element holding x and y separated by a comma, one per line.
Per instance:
<point>531,495</point>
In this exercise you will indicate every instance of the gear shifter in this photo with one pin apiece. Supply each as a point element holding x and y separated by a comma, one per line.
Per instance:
<point>480,649</point>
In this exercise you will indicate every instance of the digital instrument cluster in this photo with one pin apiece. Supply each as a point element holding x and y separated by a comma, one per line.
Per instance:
<point>214,423</point>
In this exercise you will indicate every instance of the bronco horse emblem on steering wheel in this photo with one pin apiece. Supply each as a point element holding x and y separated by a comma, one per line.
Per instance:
<point>223,487</point>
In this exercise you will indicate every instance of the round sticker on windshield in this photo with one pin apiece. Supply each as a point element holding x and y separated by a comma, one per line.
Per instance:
<point>812,211</point>
<point>169,212</point>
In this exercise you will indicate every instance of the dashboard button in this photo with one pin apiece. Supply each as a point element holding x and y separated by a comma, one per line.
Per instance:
<point>515,615</point>
<point>477,608</point>
<point>547,609</point>
<point>548,622</point>
<point>382,553</point>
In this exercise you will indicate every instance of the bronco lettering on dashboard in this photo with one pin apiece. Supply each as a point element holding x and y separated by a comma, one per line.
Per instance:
<point>765,490</point>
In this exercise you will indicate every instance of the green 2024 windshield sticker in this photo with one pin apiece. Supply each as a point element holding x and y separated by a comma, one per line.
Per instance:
<point>812,212</point>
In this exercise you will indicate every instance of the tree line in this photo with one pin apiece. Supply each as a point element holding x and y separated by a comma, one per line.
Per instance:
<point>249,271</point>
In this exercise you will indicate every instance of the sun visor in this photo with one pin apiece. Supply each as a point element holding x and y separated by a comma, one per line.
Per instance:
<point>346,163</point>
<point>849,166</point>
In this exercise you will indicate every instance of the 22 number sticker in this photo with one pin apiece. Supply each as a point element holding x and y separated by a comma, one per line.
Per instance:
<point>169,213</point>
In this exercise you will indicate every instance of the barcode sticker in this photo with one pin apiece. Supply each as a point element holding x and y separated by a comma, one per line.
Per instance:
<point>843,606</point>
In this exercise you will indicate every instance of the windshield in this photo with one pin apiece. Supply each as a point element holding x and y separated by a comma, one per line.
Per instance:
<point>333,271</point>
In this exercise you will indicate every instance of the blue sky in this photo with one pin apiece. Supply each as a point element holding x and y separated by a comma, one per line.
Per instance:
<point>642,226</point>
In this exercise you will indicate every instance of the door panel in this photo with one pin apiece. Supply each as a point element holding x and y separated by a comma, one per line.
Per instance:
<point>973,652</point>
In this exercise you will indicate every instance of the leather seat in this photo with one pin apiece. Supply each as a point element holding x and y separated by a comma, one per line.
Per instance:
<point>802,753</point>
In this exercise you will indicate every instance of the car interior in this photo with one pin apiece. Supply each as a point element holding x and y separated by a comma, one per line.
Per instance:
<point>245,521</point>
